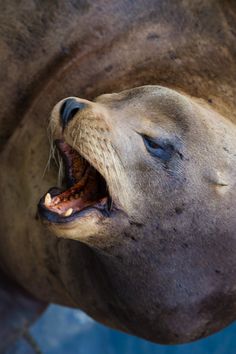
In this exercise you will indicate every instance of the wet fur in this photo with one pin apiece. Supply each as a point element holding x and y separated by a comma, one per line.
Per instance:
<point>169,287</point>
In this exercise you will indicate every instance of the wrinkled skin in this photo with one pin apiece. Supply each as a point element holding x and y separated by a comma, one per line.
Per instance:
<point>163,267</point>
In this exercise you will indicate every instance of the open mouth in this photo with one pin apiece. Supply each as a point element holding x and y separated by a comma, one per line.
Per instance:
<point>86,190</point>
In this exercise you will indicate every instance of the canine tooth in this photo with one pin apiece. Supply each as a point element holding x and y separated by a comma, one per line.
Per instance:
<point>76,196</point>
<point>68,212</point>
<point>71,197</point>
<point>48,199</point>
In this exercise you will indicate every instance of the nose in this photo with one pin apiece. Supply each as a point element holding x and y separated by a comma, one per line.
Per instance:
<point>68,110</point>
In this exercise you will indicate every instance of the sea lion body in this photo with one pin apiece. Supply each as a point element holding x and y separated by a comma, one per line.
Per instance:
<point>168,257</point>
<point>18,310</point>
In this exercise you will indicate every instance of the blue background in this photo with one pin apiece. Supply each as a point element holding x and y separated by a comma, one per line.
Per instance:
<point>65,331</point>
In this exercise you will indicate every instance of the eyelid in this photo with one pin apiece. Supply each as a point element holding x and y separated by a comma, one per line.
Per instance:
<point>163,151</point>
<point>160,144</point>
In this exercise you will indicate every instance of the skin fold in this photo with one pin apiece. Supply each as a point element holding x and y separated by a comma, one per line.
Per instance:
<point>163,266</point>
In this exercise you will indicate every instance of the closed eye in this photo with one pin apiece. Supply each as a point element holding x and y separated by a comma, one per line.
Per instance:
<point>161,149</point>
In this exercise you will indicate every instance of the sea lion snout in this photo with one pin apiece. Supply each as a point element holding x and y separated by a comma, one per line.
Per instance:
<point>68,110</point>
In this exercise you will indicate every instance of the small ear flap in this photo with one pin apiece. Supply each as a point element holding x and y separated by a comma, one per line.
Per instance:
<point>220,181</point>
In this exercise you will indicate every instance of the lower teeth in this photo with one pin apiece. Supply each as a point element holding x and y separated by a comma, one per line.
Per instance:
<point>68,212</point>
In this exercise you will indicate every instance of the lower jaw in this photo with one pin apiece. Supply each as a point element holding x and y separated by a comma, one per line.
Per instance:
<point>90,227</point>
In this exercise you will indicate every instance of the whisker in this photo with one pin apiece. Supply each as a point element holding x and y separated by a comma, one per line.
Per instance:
<point>47,167</point>
<point>60,169</point>
<point>50,157</point>
<point>54,154</point>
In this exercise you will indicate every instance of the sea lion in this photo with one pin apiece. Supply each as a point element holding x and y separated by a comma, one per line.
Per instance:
<point>143,279</point>
<point>166,164</point>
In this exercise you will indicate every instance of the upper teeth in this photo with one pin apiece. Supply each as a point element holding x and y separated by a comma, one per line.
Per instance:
<point>48,199</point>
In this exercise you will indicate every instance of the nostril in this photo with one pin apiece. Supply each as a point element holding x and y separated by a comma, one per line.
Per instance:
<point>68,110</point>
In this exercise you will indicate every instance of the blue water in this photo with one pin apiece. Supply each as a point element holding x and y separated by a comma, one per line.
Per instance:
<point>64,331</point>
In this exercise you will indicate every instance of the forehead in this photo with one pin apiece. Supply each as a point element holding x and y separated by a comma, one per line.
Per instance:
<point>153,101</point>
<point>152,96</point>
<point>129,96</point>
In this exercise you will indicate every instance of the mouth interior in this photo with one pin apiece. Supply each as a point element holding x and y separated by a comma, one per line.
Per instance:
<point>85,186</point>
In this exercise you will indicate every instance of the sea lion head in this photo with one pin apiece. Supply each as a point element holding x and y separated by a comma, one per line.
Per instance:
<point>151,189</point>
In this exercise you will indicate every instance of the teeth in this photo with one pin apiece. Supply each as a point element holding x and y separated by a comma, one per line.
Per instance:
<point>48,199</point>
<point>76,196</point>
<point>56,200</point>
<point>68,212</point>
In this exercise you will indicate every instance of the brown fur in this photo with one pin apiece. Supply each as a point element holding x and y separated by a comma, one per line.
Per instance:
<point>173,279</point>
